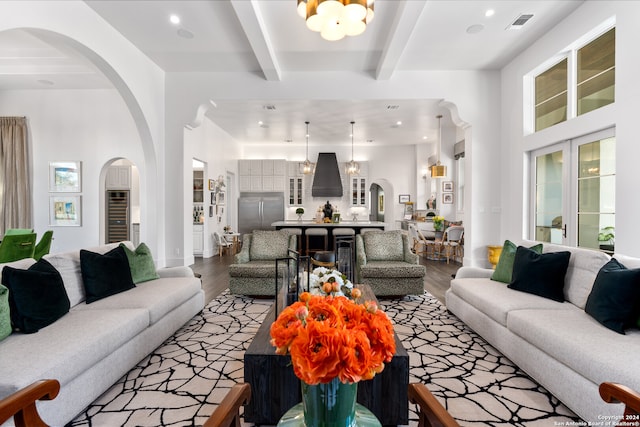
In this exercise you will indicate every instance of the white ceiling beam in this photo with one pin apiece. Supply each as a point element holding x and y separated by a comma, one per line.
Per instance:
<point>248,13</point>
<point>407,16</point>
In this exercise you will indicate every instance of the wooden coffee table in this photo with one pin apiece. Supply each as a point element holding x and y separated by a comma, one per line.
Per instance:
<point>275,388</point>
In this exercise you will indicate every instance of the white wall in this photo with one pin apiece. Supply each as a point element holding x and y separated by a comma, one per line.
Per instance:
<point>622,114</point>
<point>92,126</point>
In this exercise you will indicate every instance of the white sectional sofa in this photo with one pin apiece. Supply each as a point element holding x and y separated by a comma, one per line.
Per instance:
<point>93,345</point>
<point>558,344</point>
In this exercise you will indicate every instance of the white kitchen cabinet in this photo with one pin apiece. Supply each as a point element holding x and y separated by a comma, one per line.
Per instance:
<point>262,175</point>
<point>358,191</point>
<point>296,190</point>
<point>118,178</point>
<point>244,183</point>
<point>198,239</point>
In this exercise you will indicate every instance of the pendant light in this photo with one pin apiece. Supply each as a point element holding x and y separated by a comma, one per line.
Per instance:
<point>438,170</point>
<point>353,168</point>
<point>307,166</point>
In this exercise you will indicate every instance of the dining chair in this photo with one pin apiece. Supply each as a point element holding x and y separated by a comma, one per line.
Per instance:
<point>419,242</point>
<point>431,412</point>
<point>43,246</point>
<point>17,246</point>
<point>223,244</point>
<point>452,242</point>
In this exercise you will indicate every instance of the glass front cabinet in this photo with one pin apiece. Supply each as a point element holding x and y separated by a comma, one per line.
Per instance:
<point>358,191</point>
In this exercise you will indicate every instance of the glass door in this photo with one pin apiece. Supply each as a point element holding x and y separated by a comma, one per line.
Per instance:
<point>550,193</point>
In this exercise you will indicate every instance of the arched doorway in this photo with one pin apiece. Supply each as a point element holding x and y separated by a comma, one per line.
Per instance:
<point>120,206</point>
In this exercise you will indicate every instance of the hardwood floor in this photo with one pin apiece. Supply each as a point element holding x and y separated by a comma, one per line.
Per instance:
<point>215,277</point>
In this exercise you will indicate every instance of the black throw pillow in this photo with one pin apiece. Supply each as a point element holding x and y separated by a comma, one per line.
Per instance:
<point>105,275</point>
<point>540,274</point>
<point>37,297</point>
<point>614,300</point>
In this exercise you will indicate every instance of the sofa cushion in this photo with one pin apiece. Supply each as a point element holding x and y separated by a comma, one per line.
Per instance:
<point>584,265</point>
<point>629,262</point>
<point>392,269</point>
<point>496,300</point>
<point>105,275</point>
<point>614,300</point>
<point>140,263</point>
<point>540,274</point>
<point>504,268</point>
<point>158,297</point>
<point>383,246</point>
<point>37,297</point>
<point>5,316</point>
<point>68,347</point>
<point>68,264</point>
<point>578,341</point>
<point>269,245</point>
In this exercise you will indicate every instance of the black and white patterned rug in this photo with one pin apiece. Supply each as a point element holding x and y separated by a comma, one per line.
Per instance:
<point>182,381</point>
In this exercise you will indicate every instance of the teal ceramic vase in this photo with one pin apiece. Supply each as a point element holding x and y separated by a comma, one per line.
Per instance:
<point>329,405</point>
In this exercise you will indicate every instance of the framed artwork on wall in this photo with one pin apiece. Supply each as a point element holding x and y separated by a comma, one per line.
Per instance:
<point>447,186</point>
<point>65,177</point>
<point>404,198</point>
<point>212,185</point>
<point>213,198</point>
<point>220,196</point>
<point>65,211</point>
<point>447,198</point>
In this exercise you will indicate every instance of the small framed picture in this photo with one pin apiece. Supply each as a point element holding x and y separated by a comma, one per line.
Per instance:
<point>220,196</point>
<point>210,211</point>
<point>65,177</point>
<point>213,198</point>
<point>447,186</point>
<point>447,198</point>
<point>404,198</point>
<point>65,211</point>
<point>212,185</point>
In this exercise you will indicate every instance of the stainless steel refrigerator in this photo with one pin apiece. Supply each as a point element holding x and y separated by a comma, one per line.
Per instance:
<point>257,211</point>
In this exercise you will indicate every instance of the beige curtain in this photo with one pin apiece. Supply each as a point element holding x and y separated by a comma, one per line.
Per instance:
<point>15,189</point>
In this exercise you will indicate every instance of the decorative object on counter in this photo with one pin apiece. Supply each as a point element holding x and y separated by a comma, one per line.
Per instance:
<point>431,203</point>
<point>319,215</point>
<point>438,223</point>
<point>350,341</point>
<point>327,210</point>
<point>335,217</point>
<point>300,212</point>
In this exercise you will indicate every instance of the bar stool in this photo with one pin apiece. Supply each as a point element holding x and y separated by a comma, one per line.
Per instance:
<point>317,232</point>
<point>298,233</point>
<point>366,230</point>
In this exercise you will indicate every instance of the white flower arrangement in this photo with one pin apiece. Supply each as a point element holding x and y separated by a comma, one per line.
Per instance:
<point>339,284</point>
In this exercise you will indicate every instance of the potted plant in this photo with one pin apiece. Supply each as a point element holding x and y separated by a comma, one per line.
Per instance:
<point>300,212</point>
<point>606,238</point>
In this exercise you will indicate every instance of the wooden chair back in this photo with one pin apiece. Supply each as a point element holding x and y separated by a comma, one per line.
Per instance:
<point>227,414</point>
<point>618,393</point>
<point>431,412</point>
<point>21,405</point>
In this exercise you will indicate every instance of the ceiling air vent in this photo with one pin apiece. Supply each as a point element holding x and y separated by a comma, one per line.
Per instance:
<point>520,21</point>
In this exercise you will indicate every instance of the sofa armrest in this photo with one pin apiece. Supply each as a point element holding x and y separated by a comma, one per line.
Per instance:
<point>474,272</point>
<point>361,256</point>
<point>408,254</point>
<point>243,257</point>
<point>180,271</point>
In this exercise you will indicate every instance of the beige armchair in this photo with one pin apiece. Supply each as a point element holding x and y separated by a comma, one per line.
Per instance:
<point>385,262</point>
<point>254,270</point>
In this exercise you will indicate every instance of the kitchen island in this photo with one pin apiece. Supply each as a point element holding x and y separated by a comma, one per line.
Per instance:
<point>330,226</point>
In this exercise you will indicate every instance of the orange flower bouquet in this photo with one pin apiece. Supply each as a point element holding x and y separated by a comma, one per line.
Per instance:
<point>332,337</point>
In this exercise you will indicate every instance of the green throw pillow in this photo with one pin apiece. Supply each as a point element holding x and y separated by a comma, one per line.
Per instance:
<point>5,316</point>
<point>141,263</point>
<point>504,269</point>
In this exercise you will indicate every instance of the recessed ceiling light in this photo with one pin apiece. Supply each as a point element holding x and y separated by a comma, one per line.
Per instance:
<point>398,123</point>
<point>174,19</point>
<point>475,29</point>
<point>489,13</point>
<point>260,122</point>
<point>424,137</point>
<point>185,33</point>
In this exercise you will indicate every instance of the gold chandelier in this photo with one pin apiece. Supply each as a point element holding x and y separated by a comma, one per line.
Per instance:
<point>307,166</point>
<point>334,19</point>
<point>438,170</point>
<point>353,168</point>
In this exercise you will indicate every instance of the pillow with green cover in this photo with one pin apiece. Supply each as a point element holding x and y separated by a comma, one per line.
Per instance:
<point>5,315</point>
<point>504,268</point>
<point>141,263</point>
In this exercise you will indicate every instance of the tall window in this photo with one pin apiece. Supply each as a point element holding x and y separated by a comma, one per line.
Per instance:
<point>583,81</point>
<point>551,96</point>
<point>573,192</point>
<point>596,73</point>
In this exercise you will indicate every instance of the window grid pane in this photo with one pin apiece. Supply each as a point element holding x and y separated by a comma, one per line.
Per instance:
<point>596,73</point>
<point>551,96</point>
